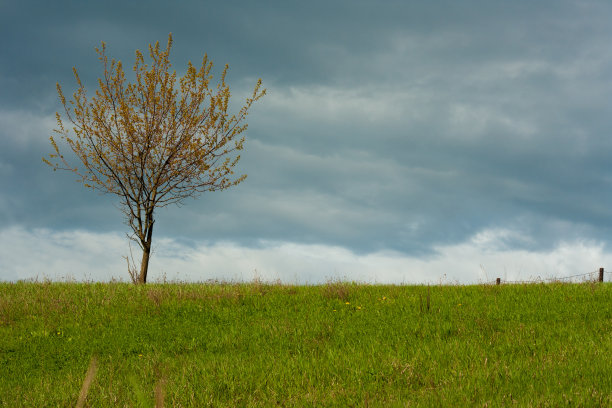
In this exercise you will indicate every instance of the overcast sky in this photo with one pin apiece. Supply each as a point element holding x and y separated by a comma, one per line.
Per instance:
<point>399,142</point>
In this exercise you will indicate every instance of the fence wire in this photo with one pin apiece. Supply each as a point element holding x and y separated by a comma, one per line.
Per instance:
<point>593,277</point>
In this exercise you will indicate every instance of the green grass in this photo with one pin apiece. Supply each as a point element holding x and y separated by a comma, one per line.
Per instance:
<point>340,344</point>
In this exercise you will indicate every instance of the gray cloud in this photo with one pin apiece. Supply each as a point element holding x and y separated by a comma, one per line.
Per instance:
<point>399,126</point>
<point>81,255</point>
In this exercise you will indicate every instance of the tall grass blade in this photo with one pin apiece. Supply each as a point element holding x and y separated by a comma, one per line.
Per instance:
<point>159,393</point>
<point>89,377</point>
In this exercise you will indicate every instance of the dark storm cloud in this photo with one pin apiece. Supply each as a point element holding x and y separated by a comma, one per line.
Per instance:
<point>388,125</point>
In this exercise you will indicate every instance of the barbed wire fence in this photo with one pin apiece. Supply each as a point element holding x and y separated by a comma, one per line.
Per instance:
<point>595,276</point>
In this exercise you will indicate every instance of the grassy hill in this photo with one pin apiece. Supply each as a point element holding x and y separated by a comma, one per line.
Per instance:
<point>340,344</point>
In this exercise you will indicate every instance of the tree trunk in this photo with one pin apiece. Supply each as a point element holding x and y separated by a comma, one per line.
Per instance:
<point>144,265</point>
<point>146,249</point>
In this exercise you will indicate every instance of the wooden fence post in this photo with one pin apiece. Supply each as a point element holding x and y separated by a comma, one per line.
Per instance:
<point>498,281</point>
<point>601,271</point>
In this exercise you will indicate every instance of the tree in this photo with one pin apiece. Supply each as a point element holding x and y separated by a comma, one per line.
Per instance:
<point>152,143</point>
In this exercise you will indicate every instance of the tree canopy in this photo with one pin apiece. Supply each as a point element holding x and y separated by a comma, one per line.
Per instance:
<point>155,141</point>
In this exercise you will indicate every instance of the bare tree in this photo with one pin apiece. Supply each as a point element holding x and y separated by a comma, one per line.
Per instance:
<point>153,142</point>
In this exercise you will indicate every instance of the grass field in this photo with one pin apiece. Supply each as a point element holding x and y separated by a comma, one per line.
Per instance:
<point>339,344</point>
